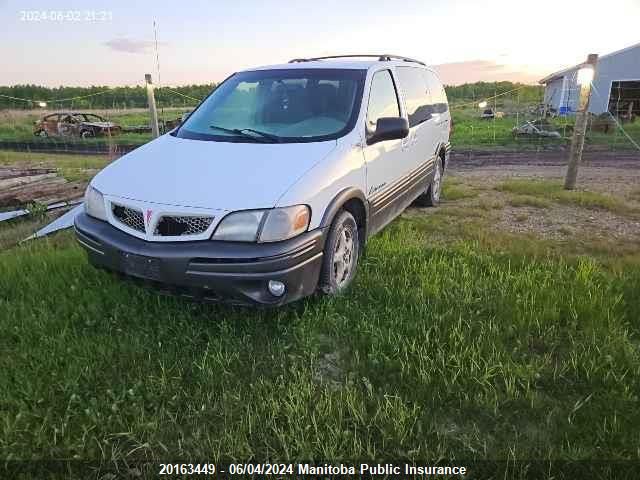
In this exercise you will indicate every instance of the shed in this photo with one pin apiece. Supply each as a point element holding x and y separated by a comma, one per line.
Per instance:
<point>616,85</point>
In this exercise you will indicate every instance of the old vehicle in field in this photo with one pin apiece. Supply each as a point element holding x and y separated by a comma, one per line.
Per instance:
<point>74,124</point>
<point>269,189</point>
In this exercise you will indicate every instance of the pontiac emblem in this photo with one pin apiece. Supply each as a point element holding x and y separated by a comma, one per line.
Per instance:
<point>147,217</point>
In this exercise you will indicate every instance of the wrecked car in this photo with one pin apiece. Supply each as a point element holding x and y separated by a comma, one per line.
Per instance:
<point>74,124</point>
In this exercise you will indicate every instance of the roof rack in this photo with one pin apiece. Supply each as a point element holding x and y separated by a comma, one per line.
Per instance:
<point>381,58</point>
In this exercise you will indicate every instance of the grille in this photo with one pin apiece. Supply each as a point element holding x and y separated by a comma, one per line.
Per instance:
<point>186,225</point>
<point>130,217</point>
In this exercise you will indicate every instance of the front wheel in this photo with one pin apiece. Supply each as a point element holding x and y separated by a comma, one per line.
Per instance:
<point>341,252</point>
<point>86,134</point>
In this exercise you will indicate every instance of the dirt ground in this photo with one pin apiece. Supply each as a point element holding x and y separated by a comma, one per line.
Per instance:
<point>613,174</point>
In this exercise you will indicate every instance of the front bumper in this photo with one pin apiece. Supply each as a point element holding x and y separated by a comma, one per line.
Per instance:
<point>211,270</point>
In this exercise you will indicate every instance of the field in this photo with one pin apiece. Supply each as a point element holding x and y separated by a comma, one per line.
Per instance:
<point>470,132</point>
<point>503,325</point>
<point>18,125</point>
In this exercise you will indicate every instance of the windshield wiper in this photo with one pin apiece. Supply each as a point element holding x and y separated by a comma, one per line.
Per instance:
<point>273,138</point>
<point>264,137</point>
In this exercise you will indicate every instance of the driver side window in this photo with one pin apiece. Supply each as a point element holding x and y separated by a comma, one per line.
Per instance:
<point>383,100</point>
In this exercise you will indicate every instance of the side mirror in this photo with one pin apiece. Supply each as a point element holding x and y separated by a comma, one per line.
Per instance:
<point>389,128</point>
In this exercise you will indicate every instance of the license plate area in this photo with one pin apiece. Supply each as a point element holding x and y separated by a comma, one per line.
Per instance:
<point>140,266</point>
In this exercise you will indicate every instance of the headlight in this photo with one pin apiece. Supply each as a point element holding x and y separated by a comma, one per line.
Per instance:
<point>264,225</point>
<point>94,204</point>
<point>283,223</point>
<point>239,226</point>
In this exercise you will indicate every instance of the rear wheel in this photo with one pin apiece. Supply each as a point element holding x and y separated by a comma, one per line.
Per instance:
<point>86,134</point>
<point>42,133</point>
<point>431,198</point>
<point>341,252</point>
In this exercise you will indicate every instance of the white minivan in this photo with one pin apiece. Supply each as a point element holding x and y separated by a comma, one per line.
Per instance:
<point>269,189</point>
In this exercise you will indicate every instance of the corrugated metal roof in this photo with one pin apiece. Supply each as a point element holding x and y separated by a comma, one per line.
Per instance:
<point>563,72</point>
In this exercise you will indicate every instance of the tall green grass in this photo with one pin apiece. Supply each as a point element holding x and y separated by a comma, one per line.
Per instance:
<point>457,352</point>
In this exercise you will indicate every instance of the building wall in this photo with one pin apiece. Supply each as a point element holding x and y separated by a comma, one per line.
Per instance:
<point>624,65</point>
<point>553,92</point>
<point>562,93</point>
<point>572,92</point>
<point>621,66</point>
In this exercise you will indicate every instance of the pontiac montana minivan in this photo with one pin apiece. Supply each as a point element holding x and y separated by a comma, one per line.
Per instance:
<point>269,189</point>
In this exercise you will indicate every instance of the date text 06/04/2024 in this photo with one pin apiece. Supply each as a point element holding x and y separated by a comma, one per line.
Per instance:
<point>307,469</point>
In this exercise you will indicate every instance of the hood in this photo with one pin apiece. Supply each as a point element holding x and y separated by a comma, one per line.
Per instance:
<point>206,174</point>
<point>99,124</point>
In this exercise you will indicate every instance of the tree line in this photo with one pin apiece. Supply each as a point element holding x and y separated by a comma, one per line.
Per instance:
<point>101,97</point>
<point>136,97</point>
<point>483,90</point>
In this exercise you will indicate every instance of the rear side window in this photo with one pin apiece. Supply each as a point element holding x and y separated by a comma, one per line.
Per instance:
<point>383,101</point>
<point>416,94</point>
<point>438,95</point>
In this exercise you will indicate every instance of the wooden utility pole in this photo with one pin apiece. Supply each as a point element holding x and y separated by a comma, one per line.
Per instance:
<point>582,117</point>
<point>153,113</point>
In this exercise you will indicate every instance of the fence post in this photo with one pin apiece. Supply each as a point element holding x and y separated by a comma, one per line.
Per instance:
<point>151,99</point>
<point>585,75</point>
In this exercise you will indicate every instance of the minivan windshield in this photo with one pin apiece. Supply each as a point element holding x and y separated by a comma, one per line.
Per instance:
<point>279,106</point>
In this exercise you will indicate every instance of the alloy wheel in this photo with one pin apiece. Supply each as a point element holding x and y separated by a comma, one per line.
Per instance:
<point>343,257</point>
<point>437,181</point>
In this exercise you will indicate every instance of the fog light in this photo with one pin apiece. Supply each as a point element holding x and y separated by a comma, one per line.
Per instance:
<point>276,288</point>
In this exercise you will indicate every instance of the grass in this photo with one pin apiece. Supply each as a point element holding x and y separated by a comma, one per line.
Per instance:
<point>544,190</point>
<point>471,132</point>
<point>529,201</point>
<point>481,346</point>
<point>20,126</point>
<point>72,167</point>
<point>14,231</point>
<point>457,191</point>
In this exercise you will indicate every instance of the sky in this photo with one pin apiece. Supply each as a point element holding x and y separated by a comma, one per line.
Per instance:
<point>94,42</point>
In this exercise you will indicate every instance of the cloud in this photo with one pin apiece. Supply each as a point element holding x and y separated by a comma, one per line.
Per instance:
<point>457,73</point>
<point>129,45</point>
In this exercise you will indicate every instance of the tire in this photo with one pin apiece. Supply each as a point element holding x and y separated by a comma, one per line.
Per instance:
<point>42,134</point>
<point>431,198</point>
<point>341,253</point>
<point>86,134</point>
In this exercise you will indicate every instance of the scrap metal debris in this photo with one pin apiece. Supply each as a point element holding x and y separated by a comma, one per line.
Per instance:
<point>163,125</point>
<point>25,211</point>
<point>536,128</point>
<point>13,214</point>
<point>61,223</point>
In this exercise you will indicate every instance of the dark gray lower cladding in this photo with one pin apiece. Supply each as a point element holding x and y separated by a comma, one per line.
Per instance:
<point>233,271</point>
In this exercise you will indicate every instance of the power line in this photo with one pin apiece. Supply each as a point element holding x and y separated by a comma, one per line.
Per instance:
<point>56,100</point>
<point>16,98</point>
<point>182,94</point>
